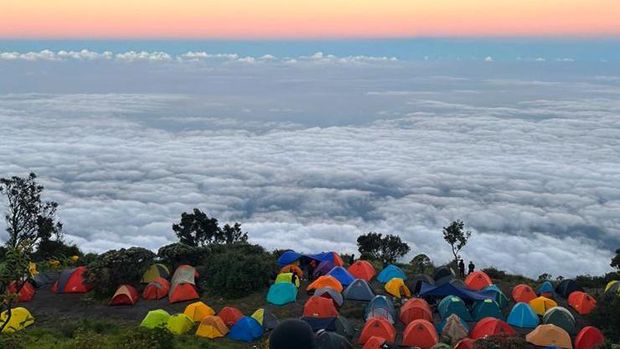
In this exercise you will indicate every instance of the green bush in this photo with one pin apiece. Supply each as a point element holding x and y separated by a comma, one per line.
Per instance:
<point>177,254</point>
<point>502,342</point>
<point>55,249</point>
<point>144,338</point>
<point>84,338</point>
<point>12,341</point>
<point>116,267</point>
<point>606,316</point>
<point>236,270</point>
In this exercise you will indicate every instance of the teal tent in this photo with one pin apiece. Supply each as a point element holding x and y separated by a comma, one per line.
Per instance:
<point>562,318</point>
<point>522,315</point>
<point>545,288</point>
<point>453,305</point>
<point>390,272</point>
<point>282,293</point>
<point>486,308</point>
<point>500,298</point>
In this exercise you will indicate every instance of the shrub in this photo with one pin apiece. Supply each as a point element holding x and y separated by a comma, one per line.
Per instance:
<point>86,339</point>
<point>238,269</point>
<point>177,254</point>
<point>116,267</point>
<point>55,249</point>
<point>12,341</point>
<point>144,338</point>
<point>502,342</point>
<point>606,316</point>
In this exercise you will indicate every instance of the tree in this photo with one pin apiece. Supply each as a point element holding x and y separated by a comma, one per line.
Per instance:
<point>544,277</point>
<point>387,249</point>
<point>457,237</point>
<point>615,262</point>
<point>197,229</point>
<point>231,234</point>
<point>421,262</point>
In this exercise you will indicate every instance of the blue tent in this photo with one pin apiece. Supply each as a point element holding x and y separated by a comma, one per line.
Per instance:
<point>282,293</point>
<point>288,257</point>
<point>247,329</point>
<point>546,287</point>
<point>449,289</point>
<point>390,272</point>
<point>342,275</point>
<point>378,304</point>
<point>453,305</point>
<point>486,308</point>
<point>500,297</point>
<point>522,315</point>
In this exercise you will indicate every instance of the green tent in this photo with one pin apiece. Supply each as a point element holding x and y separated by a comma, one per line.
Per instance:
<point>453,305</point>
<point>155,318</point>
<point>282,293</point>
<point>179,324</point>
<point>486,308</point>
<point>500,297</point>
<point>562,318</point>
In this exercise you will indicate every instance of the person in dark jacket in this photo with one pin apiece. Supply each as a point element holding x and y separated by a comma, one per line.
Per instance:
<point>461,268</point>
<point>471,267</point>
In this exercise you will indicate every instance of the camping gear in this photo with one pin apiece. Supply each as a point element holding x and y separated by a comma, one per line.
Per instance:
<point>325,281</point>
<point>20,319</point>
<point>420,333</point>
<point>179,324</point>
<point>125,295</point>
<point>156,289</point>
<point>490,327</point>
<point>377,327</point>
<point>330,293</point>
<point>562,318</point>
<point>246,329</point>
<point>415,308</point>
<point>342,275</point>
<point>397,288</point>
<point>359,290</point>
<point>197,311</point>
<point>589,338</point>
<point>362,269</point>
<point>478,280</point>
<point>549,336</point>
<point>486,308</point>
<point>522,315</point>
<point>230,315</point>
<point>183,284</point>
<point>71,281</point>
<point>155,271</point>
<point>541,304</point>
<point>266,319</point>
<point>453,305</point>
<point>212,327</point>
<point>582,302</point>
<point>155,318</point>
<point>523,293</point>
<point>283,293</point>
<point>320,307</point>
<point>390,272</point>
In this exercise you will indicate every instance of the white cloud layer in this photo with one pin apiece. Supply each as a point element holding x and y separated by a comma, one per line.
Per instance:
<point>310,156</point>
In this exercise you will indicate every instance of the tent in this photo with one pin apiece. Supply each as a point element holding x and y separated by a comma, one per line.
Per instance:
<point>246,329</point>
<point>362,269</point>
<point>332,257</point>
<point>415,284</point>
<point>342,275</point>
<point>155,318</point>
<point>330,293</point>
<point>397,288</point>
<point>523,293</point>
<point>541,304</point>
<point>320,307</point>
<point>560,317</point>
<point>377,327</point>
<point>155,271</point>
<point>212,327</point>
<point>443,274</point>
<point>380,305</point>
<point>375,343</point>
<point>582,302</point>
<point>45,278</point>
<point>323,268</point>
<point>545,289</point>
<point>448,289</point>
<point>266,319</point>
<point>549,336</point>
<point>179,324</point>
<point>288,277</point>
<point>455,329</point>
<point>331,340</point>
<point>486,308</point>
<point>478,280</point>
<point>420,333</point>
<point>413,309</point>
<point>156,289</point>
<point>292,268</point>
<point>522,315</point>
<point>198,311</point>
<point>20,319</point>
<point>320,323</point>
<point>288,257</point>
<point>230,315</point>
<point>125,295</point>
<point>183,284</point>
<point>71,281</point>
<point>443,323</point>
<point>359,290</point>
<point>292,334</point>
<point>589,338</point>
<point>343,327</point>
<point>390,272</point>
<point>325,281</point>
<point>500,298</point>
<point>26,293</point>
<point>613,287</point>
<point>566,287</point>
<point>465,343</point>
<point>280,294</point>
<point>490,327</point>
<point>453,305</point>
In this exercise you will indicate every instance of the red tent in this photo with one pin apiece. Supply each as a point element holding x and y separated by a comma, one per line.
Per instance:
<point>230,315</point>
<point>478,280</point>
<point>125,295</point>
<point>420,333</point>
<point>589,338</point>
<point>71,281</point>
<point>377,327</point>
<point>362,270</point>
<point>415,308</point>
<point>25,294</point>
<point>491,326</point>
<point>523,293</point>
<point>156,289</point>
<point>374,343</point>
<point>183,284</point>
<point>321,307</point>
<point>465,343</point>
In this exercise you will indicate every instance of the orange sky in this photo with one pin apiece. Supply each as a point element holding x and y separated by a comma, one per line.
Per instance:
<point>253,19</point>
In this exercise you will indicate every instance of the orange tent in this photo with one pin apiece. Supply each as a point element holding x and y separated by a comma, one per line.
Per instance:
<point>230,315</point>
<point>292,268</point>
<point>374,343</point>
<point>320,307</point>
<point>523,293</point>
<point>582,302</point>
<point>183,292</point>
<point>420,333</point>
<point>338,262</point>
<point>465,343</point>
<point>377,327</point>
<point>183,284</point>
<point>589,338</point>
<point>72,281</point>
<point>325,281</point>
<point>156,289</point>
<point>549,336</point>
<point>414,309</point>
<point>362,270</point>
<point>125,295</point>
<point>478,280</point>
<point>491,326</point>
<point>25,294</point>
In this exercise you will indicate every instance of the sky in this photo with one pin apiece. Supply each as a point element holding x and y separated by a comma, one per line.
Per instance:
<point>264,19</point>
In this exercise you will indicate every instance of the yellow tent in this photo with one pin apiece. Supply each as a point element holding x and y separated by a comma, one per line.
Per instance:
<point>397,288</point>
<point>287,277</point>
<point>258,315</point>
<point>612,286</point>
<point>198,311</point>
<point>155,271</point>
<point>212,327</point>
<point>549,336</point>
<point>541,304</point>
<point>179,324</point>
<point>20,319</point>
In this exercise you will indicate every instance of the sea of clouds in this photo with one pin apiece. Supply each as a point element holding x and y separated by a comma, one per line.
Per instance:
<point>309,152</point>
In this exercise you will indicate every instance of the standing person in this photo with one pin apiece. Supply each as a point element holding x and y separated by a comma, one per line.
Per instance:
<point>311,267</point>
<point>461,268</point>
<point>470,267</point>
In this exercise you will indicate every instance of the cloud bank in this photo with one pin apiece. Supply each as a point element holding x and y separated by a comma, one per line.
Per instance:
<point>308,156</point>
